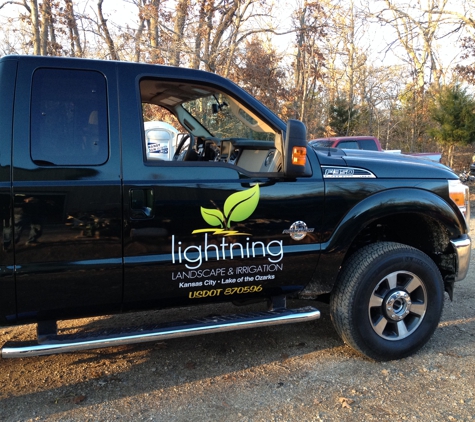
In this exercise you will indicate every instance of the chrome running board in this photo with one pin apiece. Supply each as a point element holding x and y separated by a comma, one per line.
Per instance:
<point>70,343</point>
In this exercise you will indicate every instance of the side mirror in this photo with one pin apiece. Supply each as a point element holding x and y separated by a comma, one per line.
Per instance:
<point>295,154</point>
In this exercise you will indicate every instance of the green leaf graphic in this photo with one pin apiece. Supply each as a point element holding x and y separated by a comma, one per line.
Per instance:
<point>241,205</point>
<point>212,217</point>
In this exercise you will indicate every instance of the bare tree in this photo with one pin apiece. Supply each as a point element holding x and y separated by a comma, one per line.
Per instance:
<point>310,26</point>
<point>138,34</point>
<point>73,31</point>
<point>218,27</point>
<point>105,30</point>
<point>153,30</point>
<point>150,40</point>
<point>201,32</point>
<point>181,13</point>
<point>353,57</point>
<point>46,20</point>
<point>416,27</point>
<point>261,73</point>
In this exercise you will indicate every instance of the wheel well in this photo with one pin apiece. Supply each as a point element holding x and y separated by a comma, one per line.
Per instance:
<point>413,229</point>
<point>416,230</point>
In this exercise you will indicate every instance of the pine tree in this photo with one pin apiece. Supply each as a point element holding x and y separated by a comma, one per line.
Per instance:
<point>453,111</point>
<point>343,118</point>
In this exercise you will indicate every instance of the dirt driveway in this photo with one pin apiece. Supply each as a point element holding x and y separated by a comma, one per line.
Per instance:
<point>300,372</point>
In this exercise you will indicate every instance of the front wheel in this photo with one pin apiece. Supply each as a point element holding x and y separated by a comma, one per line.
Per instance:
<point>387,301</point>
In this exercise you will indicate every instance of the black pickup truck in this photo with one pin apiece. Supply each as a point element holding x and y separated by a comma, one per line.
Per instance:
<point>243,211</point>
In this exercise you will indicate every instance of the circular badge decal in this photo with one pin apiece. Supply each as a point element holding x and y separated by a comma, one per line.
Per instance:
<point>298,230</point>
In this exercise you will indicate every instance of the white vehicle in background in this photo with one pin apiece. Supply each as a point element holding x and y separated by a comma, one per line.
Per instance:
<point>160,140</point>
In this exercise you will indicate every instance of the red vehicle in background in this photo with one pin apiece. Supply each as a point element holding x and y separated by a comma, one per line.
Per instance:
<point>369,143</point>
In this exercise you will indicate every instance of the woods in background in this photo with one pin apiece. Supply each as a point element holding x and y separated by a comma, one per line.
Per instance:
<point>358,67</point>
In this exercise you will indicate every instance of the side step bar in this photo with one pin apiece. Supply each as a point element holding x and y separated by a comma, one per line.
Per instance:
<point>52,344</point>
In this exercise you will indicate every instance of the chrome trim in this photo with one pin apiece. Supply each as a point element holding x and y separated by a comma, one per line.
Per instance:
<point>462,248</point>
<point>209,325</point>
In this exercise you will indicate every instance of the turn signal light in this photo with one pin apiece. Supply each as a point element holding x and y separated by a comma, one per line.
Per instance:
<point>299,156</point>
<point>460,195</point>
<point>458,198</point>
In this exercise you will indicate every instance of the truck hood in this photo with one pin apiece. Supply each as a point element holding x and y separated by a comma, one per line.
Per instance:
<point>384,164</point>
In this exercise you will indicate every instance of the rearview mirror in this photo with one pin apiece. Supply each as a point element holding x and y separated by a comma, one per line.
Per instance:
<point>295,145</point>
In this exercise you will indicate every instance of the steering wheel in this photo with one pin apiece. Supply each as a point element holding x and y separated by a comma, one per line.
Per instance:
<point>182,153</point>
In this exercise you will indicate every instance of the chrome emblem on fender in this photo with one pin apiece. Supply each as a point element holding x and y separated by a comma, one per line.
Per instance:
<point>298,230</point>
<point>336,172</point>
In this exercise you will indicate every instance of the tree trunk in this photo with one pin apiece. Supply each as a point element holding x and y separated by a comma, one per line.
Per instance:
<point>225,23</point>
<point>138,34</point>
<point>350,68</point>
<point>105,30</point>
<point>153,32</point>
<point>207,35</point>
<point>75,41</point>
<point>45,24</point>
<point>450,155</point>
<point>200,34</point>
<point>35,23</point>
<point>178,31</point>
<point>233,39</point>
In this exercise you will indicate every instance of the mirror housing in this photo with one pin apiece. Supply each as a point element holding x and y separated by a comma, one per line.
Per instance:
<point>295,150</point>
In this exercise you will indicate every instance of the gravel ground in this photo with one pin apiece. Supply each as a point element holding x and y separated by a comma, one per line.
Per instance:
<point>299,372</point>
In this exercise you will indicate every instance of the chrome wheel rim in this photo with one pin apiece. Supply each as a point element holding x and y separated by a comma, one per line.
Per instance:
<point>397,305</point>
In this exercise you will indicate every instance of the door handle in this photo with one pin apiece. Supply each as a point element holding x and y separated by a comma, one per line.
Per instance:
<point>261,183</point>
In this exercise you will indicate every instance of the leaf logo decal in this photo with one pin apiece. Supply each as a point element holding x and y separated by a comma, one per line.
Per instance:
<point>241,205</point>
<point>212,217</point>
<point>238,207</point>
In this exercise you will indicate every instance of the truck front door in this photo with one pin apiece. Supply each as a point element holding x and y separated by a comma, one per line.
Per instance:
<point>207,228</point>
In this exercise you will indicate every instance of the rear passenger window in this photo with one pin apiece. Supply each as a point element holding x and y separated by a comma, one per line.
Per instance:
<point>348,145</point>
<point>69,118</point>
<point>368,144</point>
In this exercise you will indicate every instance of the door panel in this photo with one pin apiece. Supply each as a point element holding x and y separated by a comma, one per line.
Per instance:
<point>177,257</point>
<point>67,229</point>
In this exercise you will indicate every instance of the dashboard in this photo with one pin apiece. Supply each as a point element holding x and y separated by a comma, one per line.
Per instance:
<point>253,156</point>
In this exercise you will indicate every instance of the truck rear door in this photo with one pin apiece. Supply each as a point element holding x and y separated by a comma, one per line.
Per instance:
<point>66,231</point>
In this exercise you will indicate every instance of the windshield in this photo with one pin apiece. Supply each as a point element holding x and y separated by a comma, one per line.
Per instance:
<point>224,118</point>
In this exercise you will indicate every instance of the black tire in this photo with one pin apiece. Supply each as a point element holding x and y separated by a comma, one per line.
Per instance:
<point>387,301</point>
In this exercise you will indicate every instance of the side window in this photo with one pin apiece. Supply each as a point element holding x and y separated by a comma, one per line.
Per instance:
<point>190,122</point>
<point>69,118</point>
<point>348,145</point>
<point>368,144</point>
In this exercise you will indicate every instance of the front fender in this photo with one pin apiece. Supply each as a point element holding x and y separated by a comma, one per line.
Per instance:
<point>378,206</point>
<point>390,202</point>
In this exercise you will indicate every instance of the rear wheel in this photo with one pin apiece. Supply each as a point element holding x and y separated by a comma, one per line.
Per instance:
<point>387,301</point>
